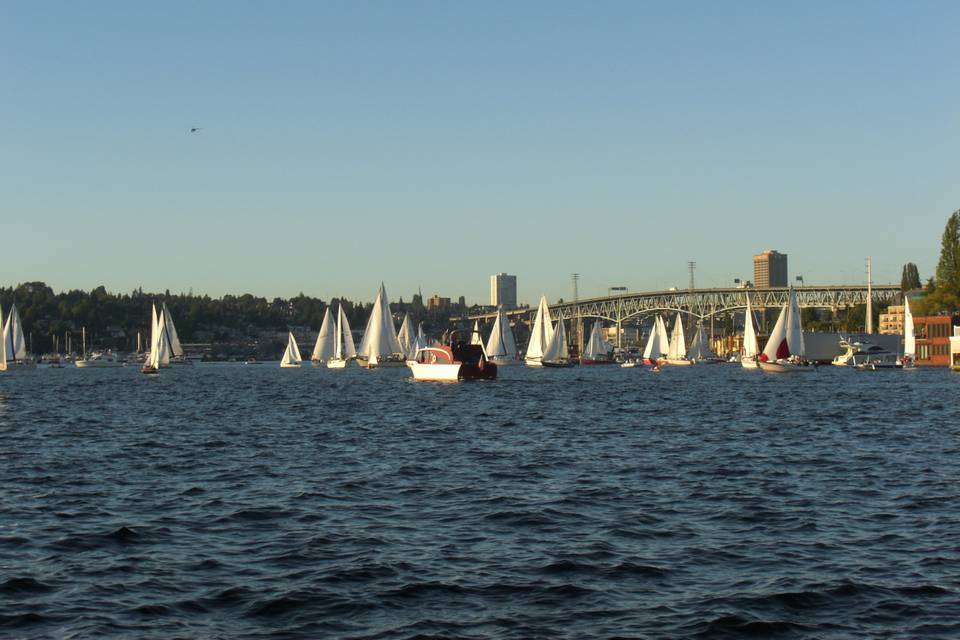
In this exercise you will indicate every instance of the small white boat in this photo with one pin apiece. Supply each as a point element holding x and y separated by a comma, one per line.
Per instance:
<point>291,355</point>
<point>159,347</point>
<point>677,349</point>
<point>98,360</point>
<point>557,354</point>
<point>909,337</point>
<point>700,351</point>
<point>657,344</point>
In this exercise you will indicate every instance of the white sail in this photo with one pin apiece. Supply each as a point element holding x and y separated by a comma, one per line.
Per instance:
<point>794,328</point>
<point>345,346</point>
<point>323,349</point>
<point>699,347</point>
<point>3,345</point>
<point>542,332</point>
<point>291,356</point>
<point>557,349</point>
<point>380,338</point>
<point>163,349</point>
<point>662,339</point>
<point>406,335</point>
<point>678,346</point>
<point>16,344</point>
<point>749,334</point>
<point>651,343</point>
<point>475,337</point>
<point>909,337</point>
<point>173,340</point>
<point>777,342</point>
<point>596,346</point>
<point>501,343</point>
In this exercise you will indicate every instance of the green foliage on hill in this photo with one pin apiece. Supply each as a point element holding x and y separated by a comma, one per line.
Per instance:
<point>113,320</point>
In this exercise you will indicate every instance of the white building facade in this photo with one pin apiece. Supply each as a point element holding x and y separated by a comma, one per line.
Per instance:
<point>503,291</point>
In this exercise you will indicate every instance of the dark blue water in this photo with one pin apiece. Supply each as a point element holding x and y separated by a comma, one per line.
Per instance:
<point>255,502</point>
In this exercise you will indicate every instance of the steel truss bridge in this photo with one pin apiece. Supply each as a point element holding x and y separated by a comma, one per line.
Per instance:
<point>703,304</point>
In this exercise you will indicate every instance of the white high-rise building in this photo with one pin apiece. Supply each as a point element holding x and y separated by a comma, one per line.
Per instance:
<point>503,291</point>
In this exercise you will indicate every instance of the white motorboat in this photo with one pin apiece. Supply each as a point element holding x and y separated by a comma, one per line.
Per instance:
<point>862,353</point>
<point>449,363</point>
<point>99,360</point>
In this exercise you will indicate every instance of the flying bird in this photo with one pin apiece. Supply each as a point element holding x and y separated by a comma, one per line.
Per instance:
<point>194,129</point>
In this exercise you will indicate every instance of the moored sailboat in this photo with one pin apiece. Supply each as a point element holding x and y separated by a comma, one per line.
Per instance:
<point>291,356</point>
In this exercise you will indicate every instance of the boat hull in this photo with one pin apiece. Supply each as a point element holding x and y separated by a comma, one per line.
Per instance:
<point>558,365</point>
<point>289,365</point>
<point>505,362</point>
<point>749,363</point>
<point>678,362</point>
<point>336,364</point>
<point>451,372</point>
<point>787,367</point>
<point>588,362</point>
<point>530,362</point>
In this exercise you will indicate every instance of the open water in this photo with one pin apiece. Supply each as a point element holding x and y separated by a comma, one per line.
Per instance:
<point>255,502</point>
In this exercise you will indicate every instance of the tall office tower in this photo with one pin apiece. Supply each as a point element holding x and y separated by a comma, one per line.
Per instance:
<point>503,291</point>
<point>770,269</point>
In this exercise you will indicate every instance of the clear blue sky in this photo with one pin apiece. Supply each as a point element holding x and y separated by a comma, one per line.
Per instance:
<point>434,143</point>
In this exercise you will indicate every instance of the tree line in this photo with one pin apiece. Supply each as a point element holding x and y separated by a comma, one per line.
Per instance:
<point>112,320</point>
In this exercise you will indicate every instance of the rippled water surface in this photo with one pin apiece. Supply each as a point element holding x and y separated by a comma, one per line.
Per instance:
<point>251,502</point>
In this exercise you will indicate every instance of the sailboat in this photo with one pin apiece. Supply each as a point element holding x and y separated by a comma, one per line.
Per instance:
<point>177,356</point>
<point>3,346</point>
<point>657,343</point>
<point>475,336</point>
<point>677,349</point>
<point>379,346</point>
<point>323,349</point>
<point>540,335</point>
<point>159,347</point>
<point>596,350</point>
<point>700,351</point>
<point>501,347</point>
<point>343,349</point>
<point>15,341</point>
<point>557,354</point>
<point>406,336</point>
<point>291,356</point>
<point>785,350</point>
<point>420,341</point>
<point>909,337</point>
<point>748,355</point>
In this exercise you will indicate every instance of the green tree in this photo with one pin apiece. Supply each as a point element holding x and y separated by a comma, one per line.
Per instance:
<point>910,279</point>
<point>948,269</point>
